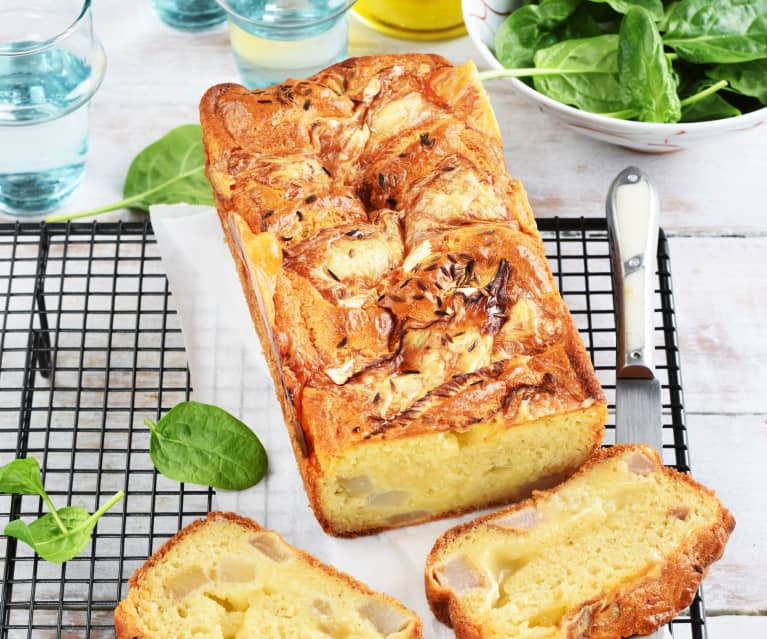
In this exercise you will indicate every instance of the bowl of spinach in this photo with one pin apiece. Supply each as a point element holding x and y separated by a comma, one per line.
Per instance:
<point>651,75</point>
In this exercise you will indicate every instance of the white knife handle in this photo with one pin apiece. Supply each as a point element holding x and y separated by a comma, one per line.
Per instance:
<point>632,222</point>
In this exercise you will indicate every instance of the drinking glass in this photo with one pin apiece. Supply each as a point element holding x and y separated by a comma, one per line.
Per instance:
<point>276,39</point>
<point>189,15</point>
<point>413,19</point>
<point>50,66</point>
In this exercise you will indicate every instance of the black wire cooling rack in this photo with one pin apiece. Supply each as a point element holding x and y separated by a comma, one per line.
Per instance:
<point>90,345</point>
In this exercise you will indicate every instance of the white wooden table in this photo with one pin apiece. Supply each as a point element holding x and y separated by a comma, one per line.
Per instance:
<point>714,202</point>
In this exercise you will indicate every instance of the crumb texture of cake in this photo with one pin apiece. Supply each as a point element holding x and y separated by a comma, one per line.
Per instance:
<point>425,361</point>
<point>227,578</point>
<point>617,550</point>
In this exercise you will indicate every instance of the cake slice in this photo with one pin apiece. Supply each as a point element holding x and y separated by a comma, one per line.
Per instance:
<point>225,577</point>
<point>617,550</point>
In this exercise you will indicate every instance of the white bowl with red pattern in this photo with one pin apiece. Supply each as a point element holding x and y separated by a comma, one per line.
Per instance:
<point>483,17</point>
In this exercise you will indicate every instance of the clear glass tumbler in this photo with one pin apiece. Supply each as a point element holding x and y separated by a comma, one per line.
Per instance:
<point>50,66</point>
<point>190,15</point>
<point>276,39</point>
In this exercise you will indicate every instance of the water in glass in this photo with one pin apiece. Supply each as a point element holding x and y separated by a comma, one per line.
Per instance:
<point>276,39</point>
<point>50,66</point>
<point>44,141</point>
<point>190,15</point>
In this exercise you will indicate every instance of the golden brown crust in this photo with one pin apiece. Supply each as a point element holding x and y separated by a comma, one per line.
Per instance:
<point>127,626</point>
<point>636,608</point>
<point>308,167</point>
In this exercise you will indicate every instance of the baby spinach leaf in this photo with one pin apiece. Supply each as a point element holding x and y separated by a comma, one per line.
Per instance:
<point>747,78</point>
<point>203,444</point>
<point>580,24</point>
<point>580,58</point>
<point>705,90</point>
<point>726,31</point>
<point>47,539</point>
<point>597,89</point>
<point>21,477</point>
<point>712,107</point>
<point>528,29</point>
<point>668,9</point>
<point>168,171</point>
<point>604,14</point>
<point>690,77</point>
<point>653,7</point>
<point>646,79</point>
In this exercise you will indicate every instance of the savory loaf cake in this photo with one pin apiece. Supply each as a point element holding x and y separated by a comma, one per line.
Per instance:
<point>617,550</point>
<point>424,359</point>
<point>225,577</point>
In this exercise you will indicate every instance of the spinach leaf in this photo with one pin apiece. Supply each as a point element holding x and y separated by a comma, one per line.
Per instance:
<point>705,91</point>
<point>747,78</point>
<point>654,7</point>
<point>168,171</point>
<point>581,24</point>
<point>21,477</point>
<point>604,14</point>
<point>528,29</point>
<point>53,544</point>
<point>580,59</point>
<point>646,79</point>
<point>203,444</point>
<point>727,31</point>
<point>598,88</point>
<point>712,107</point>
<point>691,77</point>
<point>668,9</point>
<point>59,535</point>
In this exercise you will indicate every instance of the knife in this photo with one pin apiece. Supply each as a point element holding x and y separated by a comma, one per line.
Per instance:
<point>632,227</point>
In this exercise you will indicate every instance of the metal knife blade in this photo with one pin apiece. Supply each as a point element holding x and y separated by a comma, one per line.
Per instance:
<point>638,418</point>
<point>632,224</point>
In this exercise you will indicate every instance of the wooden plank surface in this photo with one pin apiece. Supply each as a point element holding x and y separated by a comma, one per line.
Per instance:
<point>720,290</point>
<point>728,455</point>
<point>714,207</point>
<point>729,627</point>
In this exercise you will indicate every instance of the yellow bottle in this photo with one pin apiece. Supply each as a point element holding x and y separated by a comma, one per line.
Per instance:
<point>413,19</point>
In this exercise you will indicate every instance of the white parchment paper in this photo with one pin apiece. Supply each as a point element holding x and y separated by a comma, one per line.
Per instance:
<point>228,369</point>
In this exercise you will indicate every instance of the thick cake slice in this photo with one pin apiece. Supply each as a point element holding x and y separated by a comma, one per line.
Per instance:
<point>227,578</point>
<point>425,361</point>
<point>617,550</point>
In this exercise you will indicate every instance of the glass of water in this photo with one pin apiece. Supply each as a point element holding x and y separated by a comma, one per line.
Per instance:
<point>276,39</point>
<point>190,15</point>
<point>50,66</point>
